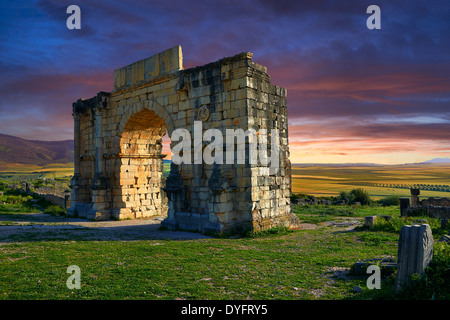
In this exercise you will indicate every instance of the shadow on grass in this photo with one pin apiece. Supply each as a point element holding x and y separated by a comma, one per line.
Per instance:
<point>26,227</point>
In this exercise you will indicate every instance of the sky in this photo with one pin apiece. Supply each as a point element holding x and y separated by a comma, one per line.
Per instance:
<point>353,94</point>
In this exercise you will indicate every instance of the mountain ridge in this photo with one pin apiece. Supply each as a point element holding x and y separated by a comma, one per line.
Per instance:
<point>438,160</point>
<point>17,150</point>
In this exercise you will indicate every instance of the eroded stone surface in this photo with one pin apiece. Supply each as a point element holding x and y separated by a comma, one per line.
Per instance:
<point>118,143</point>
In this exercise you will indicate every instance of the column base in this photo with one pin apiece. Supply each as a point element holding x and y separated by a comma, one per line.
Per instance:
<point>170,224</point>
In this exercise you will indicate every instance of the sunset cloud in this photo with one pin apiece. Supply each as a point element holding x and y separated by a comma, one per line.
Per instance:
<point>353,93</point>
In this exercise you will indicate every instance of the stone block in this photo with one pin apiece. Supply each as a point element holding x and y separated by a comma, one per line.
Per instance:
<point>415,251</point>
<point>150,68</point>
<point>370,221</point>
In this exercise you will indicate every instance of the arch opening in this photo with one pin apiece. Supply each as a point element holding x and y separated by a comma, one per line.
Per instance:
<point>141,167</point>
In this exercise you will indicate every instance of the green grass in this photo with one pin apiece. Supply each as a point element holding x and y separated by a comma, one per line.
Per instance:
<point>15,203</point>
<point>321,213</point>
<point>396,222</point>
<point>55,210</point>
<point>283,267</point>
<point>276,264</point>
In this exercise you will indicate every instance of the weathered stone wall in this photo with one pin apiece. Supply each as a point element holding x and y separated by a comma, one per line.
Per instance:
<point>439,212</point>
<point>119,134</point>
<point>63,202</point>
<point>58,200</point>
<point>436,202</point>
<point>434,207</point>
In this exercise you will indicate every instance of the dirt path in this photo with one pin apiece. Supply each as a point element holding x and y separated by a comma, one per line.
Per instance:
<point>43,227</point>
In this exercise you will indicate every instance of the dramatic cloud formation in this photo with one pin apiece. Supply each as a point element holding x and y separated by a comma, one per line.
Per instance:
<point>354,95</point>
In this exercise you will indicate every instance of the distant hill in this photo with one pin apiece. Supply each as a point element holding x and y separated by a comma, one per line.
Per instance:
<point>438,160</point>
<point>17,150</point>
<point>363,164</point>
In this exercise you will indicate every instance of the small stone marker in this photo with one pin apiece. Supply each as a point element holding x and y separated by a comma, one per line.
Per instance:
<point>415,250</point>
<point>369,221</point>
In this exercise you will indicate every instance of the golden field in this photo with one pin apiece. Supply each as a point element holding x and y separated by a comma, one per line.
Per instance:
<point>21,171</point>
<point>317,180</point>
<point>329,180</point>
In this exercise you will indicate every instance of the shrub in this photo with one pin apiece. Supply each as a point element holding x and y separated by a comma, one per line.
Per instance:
<point>3,186</point>
<point>391,200</point>
<point>348,197</point>
<point>361,196</point>
<point>394,224</point>
<point>55,210</point>
<point>38,183</point>
<point>356,195</point>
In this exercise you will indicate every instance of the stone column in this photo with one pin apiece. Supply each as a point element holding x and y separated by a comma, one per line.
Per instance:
<point>415,250</point>
<point>415,197</point>
<point>99,186</point>
<point>76,181</point>
<point>76,143</point>
<point>404,204</point>
<point>98,142</point>
<point>175,193</point>
<point>99,181</point>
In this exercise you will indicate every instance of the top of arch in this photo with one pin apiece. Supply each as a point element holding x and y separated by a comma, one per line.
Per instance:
<point>166,62</point>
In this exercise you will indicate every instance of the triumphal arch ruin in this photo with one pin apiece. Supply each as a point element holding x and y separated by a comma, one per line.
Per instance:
<point>118,142</point>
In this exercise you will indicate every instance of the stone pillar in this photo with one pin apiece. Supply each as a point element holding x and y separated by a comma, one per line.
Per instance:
<point>404,204</point>
<point>76,181</point>
<point>175,193</point>
<point>415,250</point>
<point>220,205</point>
<point>98,142</point>
<point>415,197</point>
<point>99,181</point>
<point>99,184</point>
<point>76,143</point>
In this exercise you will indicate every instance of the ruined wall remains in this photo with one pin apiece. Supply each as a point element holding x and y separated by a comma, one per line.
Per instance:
<point>433,207</point>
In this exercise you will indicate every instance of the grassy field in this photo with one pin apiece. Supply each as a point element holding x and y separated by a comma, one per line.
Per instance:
<point>26,171</point>
<point>313,263</point>
<point>291,265</point>
<point>330,180</point>
<point>306,264</point>
<point>297,266</point>
<point>314,180</point>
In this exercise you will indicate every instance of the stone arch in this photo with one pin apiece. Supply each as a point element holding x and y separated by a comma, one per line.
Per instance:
<point>140,167</point>
<point>231,93</point>
<point>152,105</point>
